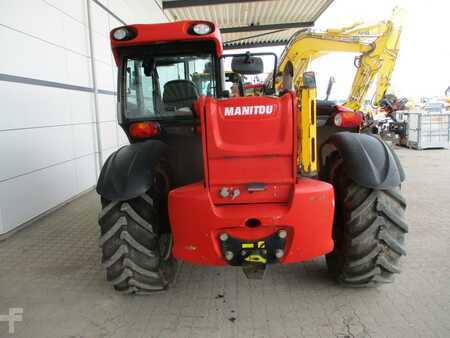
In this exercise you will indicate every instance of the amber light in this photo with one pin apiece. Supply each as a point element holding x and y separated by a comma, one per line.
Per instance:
<point>144,129</point>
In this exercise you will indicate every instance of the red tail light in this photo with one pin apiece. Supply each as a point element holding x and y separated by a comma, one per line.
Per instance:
<point>144,129</point>
<point>347,118</point>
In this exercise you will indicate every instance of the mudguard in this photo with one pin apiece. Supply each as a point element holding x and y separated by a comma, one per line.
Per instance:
<point>127,173</point>
<point>368,160</point>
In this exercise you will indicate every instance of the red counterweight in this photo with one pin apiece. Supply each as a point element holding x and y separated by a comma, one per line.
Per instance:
<point>251,189</point>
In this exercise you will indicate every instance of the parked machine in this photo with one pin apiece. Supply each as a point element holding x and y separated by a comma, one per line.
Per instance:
<point>219,180</point>
<point>377,48</point>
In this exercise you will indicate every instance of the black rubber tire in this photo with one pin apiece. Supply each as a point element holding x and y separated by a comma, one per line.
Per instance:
<point>132,234</point>
<point>369,230</point>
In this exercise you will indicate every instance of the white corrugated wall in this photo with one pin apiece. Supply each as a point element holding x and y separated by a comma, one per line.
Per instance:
<point>48,140</point>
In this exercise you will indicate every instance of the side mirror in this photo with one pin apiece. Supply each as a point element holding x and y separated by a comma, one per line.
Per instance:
<point>247,64</point>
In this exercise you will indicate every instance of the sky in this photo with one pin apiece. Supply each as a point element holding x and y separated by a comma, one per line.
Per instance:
<point>423,64</point>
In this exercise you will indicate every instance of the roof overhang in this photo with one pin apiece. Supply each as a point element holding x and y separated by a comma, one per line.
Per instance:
<point>251,23</point>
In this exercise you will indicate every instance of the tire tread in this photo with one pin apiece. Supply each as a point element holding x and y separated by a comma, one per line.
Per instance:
<point>132,262</point>
<point>369,231</point>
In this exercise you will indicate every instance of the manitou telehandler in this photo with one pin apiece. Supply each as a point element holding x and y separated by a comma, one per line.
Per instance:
<point>219,180</point>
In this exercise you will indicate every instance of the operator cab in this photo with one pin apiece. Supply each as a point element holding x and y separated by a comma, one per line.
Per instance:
<point>162,82</point>
<point>163,74</point>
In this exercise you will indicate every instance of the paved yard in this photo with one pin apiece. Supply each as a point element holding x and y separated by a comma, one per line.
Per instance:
<point>52,271</point>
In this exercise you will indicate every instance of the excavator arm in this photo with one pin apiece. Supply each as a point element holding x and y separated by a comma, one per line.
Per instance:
<point>307,46</point>
<point>377,46</point>
<point>378,62</point>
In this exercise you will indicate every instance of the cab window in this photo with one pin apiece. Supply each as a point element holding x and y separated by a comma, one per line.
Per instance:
<point>162,87</point>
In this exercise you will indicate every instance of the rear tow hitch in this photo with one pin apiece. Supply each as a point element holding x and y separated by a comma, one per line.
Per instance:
<point>254,270</point>
<point>253,255</point>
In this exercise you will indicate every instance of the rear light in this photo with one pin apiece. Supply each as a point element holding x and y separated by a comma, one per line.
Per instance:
<point>201,29</point>
<point>144,129</point>
<point>347,118</point>
<point>123,33</point>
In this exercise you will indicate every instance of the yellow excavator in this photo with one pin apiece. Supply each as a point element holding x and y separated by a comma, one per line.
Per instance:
<point>377,47</point>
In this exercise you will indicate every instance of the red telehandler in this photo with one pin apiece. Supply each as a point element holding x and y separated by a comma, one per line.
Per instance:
<point>219,180</point>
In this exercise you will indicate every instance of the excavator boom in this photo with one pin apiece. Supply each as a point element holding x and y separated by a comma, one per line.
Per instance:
<point>377,46</point>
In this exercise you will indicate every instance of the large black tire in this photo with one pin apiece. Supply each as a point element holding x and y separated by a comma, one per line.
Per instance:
<point>369,230</point>
<point>136,241</point>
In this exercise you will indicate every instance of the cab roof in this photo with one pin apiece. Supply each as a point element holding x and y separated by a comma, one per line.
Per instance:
<point>145,34</point>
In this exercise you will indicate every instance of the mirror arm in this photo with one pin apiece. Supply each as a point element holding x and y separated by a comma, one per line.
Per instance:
<point>247,56</point>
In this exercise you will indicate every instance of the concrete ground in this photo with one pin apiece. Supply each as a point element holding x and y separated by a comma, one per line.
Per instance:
<point>52,270</point>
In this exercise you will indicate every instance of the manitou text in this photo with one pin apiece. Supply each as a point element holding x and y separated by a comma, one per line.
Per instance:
<point>248,110</point>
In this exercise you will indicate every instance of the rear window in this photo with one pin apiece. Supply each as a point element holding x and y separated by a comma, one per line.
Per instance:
<point>166,86</point>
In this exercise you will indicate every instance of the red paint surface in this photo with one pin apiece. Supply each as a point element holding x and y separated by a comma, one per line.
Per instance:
<point>350,118</point>
<point>253,85</point>
<point>244,149</point>
<point>197,222</point>
<point>166,32</point>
